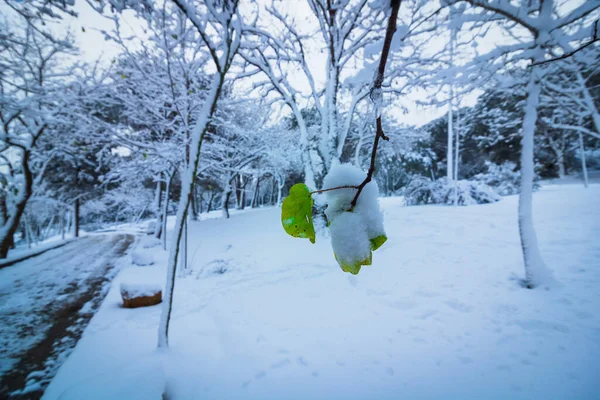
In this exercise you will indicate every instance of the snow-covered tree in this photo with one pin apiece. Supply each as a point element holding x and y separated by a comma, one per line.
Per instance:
<point>537,30</point>
<point>33,71</point>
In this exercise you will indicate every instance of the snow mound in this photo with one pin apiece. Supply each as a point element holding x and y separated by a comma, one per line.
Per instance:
<point>132,290</point>
<point>149,241</point>
<point>142,258</point>
<point>216,267</point>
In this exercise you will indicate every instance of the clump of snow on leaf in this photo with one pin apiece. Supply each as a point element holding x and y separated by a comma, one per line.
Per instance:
<point>354,236</point>
<point>340,200</point>
<point>349,239</point>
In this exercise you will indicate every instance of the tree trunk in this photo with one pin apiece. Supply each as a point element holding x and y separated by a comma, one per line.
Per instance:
<point>62,224</point>
<point>76,218</point>
<point>561,164</point>
<point>536,272</point>
<point>194,203</point>
<point>449,153</point>
<point>200,129</point>
<point>254,202</point>
<point>225,205</point>
<point>168,178</point>
<point>158,210</point>
<point>12,222</point>
<point>210,201</point>
<point>457,153</point>
<point>583,161</point>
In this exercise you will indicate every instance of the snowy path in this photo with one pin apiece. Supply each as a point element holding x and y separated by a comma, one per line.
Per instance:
<point>45,303</point>
<point>439,315</point>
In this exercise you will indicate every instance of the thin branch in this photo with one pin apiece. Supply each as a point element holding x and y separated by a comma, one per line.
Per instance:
<point>389,34</point>
<point>335,188</point>
<point>595,39</point>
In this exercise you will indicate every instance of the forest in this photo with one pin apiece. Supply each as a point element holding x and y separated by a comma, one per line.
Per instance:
<point>190,135</point>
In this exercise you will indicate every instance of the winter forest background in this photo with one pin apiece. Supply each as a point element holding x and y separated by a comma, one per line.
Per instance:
<point>197,107</point>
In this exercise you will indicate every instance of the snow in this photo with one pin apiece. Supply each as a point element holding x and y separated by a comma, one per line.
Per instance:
<point>349,239</point>
<point>142,257</point>
<point>24,252</point>
<point>149,241</point>
<point>441,313</point>
<point>131,290</point>
<point>35,293</point>
<point>367,205</point>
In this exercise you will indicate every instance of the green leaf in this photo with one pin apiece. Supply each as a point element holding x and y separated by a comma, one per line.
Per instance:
<point>377,242</point>
<point>296,213</point>
<point>174,36</point>
<point>354,269</point>
<point>144,155</point>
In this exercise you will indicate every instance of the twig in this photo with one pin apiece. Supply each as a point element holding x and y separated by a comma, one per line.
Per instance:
<point>595,39</point>
<point>335,188</point>
<point>389,34</point>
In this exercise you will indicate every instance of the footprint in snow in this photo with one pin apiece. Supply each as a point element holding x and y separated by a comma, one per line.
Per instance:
<point>302,361</point>
<point>280,364</point>
<point>458,306</point>
<point>260,375</point>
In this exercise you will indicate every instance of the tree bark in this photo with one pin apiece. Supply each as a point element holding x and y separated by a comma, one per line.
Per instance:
<point>12,222</point>
<point>583,161</point>
<point>76,218</point>
<point>254,203</point>
<point>158,210</point>
<point>536,272</point>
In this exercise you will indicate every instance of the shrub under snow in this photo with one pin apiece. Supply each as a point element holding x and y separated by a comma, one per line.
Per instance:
<point>142,257</point>
<point>443,191</point>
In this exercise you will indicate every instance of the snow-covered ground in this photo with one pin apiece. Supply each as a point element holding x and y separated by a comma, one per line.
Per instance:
<point>439,314</point>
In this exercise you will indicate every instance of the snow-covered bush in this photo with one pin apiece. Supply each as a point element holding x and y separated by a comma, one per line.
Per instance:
<point>443,191</point>
<point>142,257</point>
<point>149,241</point>
<point>140,294</point>
<point>504,178</point>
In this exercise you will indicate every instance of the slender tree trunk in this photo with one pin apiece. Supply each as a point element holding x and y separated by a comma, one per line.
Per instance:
<point>158,210</point>
<point>62,224</point>
<point>76,218</point>
<point>194,203</point>
<point>210,201</point>
<point>242,188</point>
<point>457,129</point>
<point>165,212</point>
<point>208,109</point>
<point>279,190</point>
<point>449,153</point>
<point>225,204</point>
<point>27,231</point>
<point>561,164</point>
<point>255,199</point>
<point>12,222</point>
<point>583,161</point>
<point>536,272</point>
